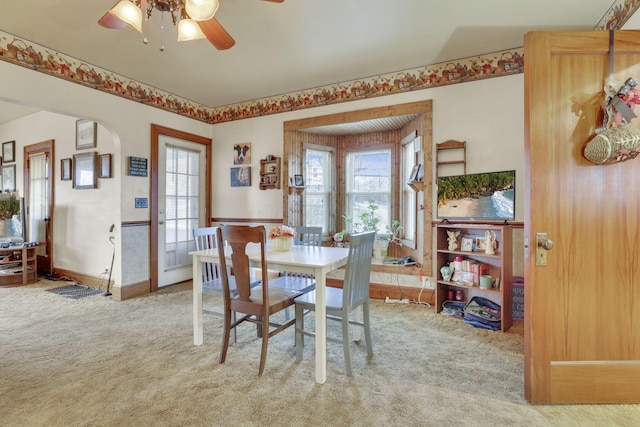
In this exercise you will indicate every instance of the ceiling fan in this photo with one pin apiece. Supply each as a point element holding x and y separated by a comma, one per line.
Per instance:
<point>195,18</point>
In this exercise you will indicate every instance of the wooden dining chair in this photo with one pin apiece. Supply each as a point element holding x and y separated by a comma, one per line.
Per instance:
<point>308,236</point>
<point>256,303</point>
<point>205,238</point>
<point>342,302</point>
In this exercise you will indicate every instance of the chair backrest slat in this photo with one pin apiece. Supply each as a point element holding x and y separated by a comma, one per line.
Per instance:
<point>205,238</point>
<point>308,236</point>
<point>358,269</point>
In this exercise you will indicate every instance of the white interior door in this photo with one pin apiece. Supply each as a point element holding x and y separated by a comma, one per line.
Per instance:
<point>181,206</point>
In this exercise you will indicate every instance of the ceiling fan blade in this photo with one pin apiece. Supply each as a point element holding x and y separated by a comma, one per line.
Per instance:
<point>216,34</point>
<point>110,21</point>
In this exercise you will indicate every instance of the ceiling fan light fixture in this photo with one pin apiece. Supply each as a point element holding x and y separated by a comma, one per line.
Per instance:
<point>201,10</point>
<point>188,29</point>
<point>129,13</point>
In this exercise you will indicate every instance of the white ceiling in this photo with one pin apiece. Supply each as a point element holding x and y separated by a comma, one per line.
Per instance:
<point>295,45</point>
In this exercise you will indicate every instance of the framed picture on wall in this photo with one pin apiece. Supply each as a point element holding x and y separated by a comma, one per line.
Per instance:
<point>241,176</point>
<point>105,166</point>
<point>8,151</point>
<point>86,134</point>
<point>65,169</point>
<point>84,170</point>
<point>242,154</point>
<point>9,178</point>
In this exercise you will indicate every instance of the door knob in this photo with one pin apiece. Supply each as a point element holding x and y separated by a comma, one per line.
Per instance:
<point>161,222</point>
<point>545,244</point>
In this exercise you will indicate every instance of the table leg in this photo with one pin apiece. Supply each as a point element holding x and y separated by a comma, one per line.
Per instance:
<point>198,333</point>
<point>321,326</point>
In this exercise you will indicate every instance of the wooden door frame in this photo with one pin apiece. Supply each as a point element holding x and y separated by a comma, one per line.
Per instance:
<point>47,147</point>
<point>156,132</point>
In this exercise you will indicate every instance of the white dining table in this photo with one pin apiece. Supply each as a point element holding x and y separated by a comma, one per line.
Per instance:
<point>316,260</point>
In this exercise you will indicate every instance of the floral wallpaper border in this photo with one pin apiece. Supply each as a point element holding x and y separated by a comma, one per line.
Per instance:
<point>31,55</point>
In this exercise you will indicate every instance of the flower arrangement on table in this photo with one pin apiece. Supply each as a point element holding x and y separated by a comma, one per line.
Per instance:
<point>281,231</point>
<point>282,237</point>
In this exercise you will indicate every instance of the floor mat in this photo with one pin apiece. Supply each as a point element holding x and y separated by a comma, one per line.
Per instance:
<point>75,291</point>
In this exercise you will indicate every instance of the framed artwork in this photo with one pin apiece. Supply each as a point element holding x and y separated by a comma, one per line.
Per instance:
<point>467,244</point>
<point>298,181</point>
<point>241,176</point>
<point>84,170</point>
<point>242,154</point>
<point>415,173</point>
<point>86,134</point>
<point>9,178</point>
<point>65,169</point>
<point>9,151</point>
<point>105,166</point>
<point>481,244</point>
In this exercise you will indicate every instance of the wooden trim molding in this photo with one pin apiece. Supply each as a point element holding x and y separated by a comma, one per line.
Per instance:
<point>248,220</point>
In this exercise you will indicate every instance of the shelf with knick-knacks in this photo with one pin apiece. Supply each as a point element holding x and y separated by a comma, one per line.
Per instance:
<point>270,172</point>
<point>475,260</point>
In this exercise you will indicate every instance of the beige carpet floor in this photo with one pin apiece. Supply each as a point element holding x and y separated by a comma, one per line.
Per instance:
<point>98,362</point>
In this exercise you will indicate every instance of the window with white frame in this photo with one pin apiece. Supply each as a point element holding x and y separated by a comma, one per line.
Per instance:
<point>318,167</point>
<point>368,179</point>
<point>408,198</point>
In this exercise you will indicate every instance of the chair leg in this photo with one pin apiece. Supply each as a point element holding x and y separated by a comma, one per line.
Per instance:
<point>367,327</point>
<point>225,336</point>
<point>265,341</point>
<point>346,344</point>
<point>299,334</point>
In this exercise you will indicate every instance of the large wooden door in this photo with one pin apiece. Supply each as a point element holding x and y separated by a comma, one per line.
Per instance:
<point>582,321</point>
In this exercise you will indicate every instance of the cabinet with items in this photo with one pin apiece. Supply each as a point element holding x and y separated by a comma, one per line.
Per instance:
<point>270,173</point>
<point>479,260</point>
<point>18,264</point>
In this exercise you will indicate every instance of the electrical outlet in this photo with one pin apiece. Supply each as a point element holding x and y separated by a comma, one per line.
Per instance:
<point>426,282</point>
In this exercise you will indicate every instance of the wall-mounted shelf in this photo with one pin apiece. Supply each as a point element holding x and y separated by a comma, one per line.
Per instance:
<point>296,188</point>
<point>270,173</point>
<point>417,186</point>
<point>451,145</point>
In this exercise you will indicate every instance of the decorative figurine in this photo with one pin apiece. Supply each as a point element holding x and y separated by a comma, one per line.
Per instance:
<point>490,242</point>
<point>453,240</point>
<point>446,273</point>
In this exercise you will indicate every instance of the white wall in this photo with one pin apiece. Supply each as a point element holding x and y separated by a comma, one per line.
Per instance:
<point>83,217</point>
<point>488,114</point>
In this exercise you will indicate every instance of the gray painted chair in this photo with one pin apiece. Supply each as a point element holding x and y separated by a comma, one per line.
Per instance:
<point>341,302</point>
<point>301,282</point>
<point>308,236</point>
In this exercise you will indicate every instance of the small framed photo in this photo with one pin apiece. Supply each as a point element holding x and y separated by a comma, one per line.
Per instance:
<point>415,173</point>
<point>84,170</point>
<point>9,151</point>
<point>105,166</point>
<point>481,244</point>
<point>467,244</point>
<point>65,169</point>
<point>86,134</point>
<point>9,178</point>
<point>298,181</point>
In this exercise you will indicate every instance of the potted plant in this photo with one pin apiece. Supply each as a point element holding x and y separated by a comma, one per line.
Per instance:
<point>368,221</point>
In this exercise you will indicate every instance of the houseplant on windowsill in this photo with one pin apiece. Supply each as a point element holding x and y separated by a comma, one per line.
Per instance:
<point>370,222</point>
<point>281,237</point>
